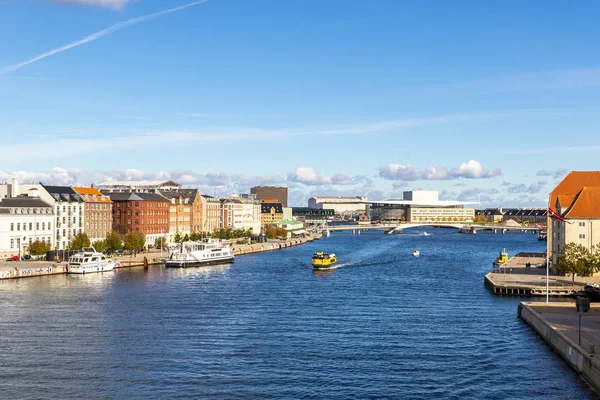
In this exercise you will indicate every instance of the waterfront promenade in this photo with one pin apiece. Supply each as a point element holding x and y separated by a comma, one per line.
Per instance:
<point>559,325</point>
<point>515,278</point>
<point>26,269</point>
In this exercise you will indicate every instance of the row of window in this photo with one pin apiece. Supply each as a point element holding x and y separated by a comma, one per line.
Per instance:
<point>141,213</point>
<point>98,206</point>
<point>37,226</point>
<point>98,215</point>
<point>69,208</point>
<point>15,243</point>
<point>65,220</point>
<point>30,211</point>
<point>95,225</point>
<point>144,204</point>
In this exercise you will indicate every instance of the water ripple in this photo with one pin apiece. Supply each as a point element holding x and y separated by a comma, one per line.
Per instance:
<point>384,325</point>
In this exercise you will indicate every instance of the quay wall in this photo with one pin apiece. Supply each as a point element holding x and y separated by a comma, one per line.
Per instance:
<point>31,271</point>
<point>43,269</point>
<point>582,361</point>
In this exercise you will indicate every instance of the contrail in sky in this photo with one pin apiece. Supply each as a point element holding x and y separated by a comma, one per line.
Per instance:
<point>97,35</point>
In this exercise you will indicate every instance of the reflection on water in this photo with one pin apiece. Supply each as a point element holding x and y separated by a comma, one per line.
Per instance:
<point>385,325</point>
<point>204,271</point>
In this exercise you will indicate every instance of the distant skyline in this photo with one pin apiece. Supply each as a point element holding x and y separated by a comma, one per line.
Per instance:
<point>479,101</point>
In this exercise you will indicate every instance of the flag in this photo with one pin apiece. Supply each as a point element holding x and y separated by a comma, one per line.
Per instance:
<point>552,214</point>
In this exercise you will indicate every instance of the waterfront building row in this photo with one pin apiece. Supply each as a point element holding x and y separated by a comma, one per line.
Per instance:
<point>520,215</point>
<point>56,214</point>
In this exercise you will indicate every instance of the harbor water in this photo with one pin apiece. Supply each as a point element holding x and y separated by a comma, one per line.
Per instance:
<point>383,324</point>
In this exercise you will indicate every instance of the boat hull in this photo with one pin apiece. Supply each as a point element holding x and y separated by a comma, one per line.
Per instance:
<point>90,269</point>
<point>323,267</point>
<point>196,263</point>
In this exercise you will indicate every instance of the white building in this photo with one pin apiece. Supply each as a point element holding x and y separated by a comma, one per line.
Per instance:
<point>340,205</point>
<point>421,206</point>
<point>241,213</point>
<point>69,210</point>
<point>23,220</point>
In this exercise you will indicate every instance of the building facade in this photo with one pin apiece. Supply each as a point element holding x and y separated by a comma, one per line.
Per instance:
<point>312,216</point>
<point>69,211</point>
<point>180,213</point>
<point>270,213</point>
<point>342,206</point>
<point>421,206</point>
<point>273,193</point>
<point>193,198</point>
<point>140,212</point>
<point>567,189</point>
<point>211,213</point>
<point>23,220</point>
<point>98,213</point>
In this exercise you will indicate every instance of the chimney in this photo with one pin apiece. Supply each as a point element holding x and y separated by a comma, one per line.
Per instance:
<point>92,185</point>
<point>14,188</point>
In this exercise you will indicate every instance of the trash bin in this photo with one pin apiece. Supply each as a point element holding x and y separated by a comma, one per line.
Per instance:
<point>582,303</point>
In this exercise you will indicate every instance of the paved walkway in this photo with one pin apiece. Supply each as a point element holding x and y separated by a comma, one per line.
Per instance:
<point>563,317</point>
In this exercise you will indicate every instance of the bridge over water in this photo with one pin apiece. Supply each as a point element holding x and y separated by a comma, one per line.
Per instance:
<point>461,226</point>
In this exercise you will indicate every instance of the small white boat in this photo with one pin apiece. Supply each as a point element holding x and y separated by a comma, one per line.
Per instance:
<point>193,254</point>
<point>89,261</point>
<point>416,253</point>
<point>425,234</point>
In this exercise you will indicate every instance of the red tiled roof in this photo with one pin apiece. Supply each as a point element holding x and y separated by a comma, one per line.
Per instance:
<point>95,196</point>
<point>586,204</point>
<point>565,200</point>
<point>573,183</point>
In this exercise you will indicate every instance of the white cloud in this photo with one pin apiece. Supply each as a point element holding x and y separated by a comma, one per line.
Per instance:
<point>308,176</point>
<point>468,170</point>
<point>341,179</point>
<point>95,36</point>
<point>114,4</point>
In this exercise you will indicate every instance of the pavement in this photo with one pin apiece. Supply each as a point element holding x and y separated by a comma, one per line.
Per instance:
<point>564,317</point>
<point>514,272</point>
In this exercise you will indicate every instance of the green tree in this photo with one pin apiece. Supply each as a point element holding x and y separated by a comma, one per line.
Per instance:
<point>177,238</point>
<point>186,238</point>
<point>113,242</point>
<point>160,242</point>
<point>80,241</point>
<point>574,259</point>
<point>195,236</point>
<point>39,248</point>
<point>100,245</point>
<point>135,241</point>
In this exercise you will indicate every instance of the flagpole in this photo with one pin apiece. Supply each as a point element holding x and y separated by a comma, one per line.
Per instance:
<point>548,221</point>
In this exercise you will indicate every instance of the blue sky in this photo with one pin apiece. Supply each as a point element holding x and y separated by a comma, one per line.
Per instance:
<point>482,102</point>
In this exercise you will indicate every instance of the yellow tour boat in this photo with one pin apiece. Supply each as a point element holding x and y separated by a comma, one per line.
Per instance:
<point>323,260</point>
<point>502,258</point>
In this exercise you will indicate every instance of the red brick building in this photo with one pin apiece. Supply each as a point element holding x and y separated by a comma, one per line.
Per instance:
<point>140,212</point>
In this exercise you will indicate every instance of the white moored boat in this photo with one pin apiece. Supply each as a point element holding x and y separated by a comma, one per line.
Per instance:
<point>88,261</point>
<point>193,254</point>
<point>416,253</point>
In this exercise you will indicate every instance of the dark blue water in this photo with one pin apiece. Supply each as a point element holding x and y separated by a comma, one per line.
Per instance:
<point>383,325</point>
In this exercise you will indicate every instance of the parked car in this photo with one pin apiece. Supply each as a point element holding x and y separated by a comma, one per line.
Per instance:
<point>13,258</point>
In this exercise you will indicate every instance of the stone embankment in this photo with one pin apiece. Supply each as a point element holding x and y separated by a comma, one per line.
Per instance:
<point>26,269</point>
<point>572,335</point>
